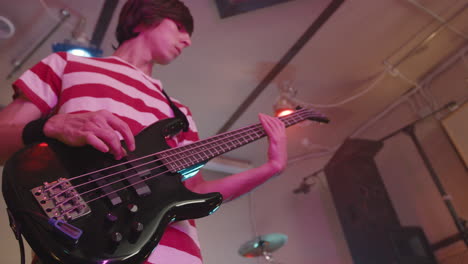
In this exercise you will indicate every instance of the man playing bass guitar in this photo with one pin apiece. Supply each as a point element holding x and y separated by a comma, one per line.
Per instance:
<point>102,102</point>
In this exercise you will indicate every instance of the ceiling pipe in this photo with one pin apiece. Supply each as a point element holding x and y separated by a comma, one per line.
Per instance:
<point>310,32</point>
<point>430,37</point>
<point>390,67</point>
<point>440,68</point>
<point>18,63</point>
<point>426,80</point>
<point>437,17</point>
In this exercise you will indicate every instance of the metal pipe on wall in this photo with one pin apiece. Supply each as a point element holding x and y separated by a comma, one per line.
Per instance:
<point>18,63</point>
<point>428,39</point>
<point>440,19</point>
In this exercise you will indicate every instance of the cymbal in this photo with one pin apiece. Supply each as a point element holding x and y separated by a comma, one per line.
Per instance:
<point>261,244</point>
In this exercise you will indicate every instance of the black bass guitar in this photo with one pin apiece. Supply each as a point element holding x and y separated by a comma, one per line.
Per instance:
<point>78,205</point>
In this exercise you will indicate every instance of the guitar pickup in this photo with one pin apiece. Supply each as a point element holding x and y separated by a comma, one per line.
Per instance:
<point>135,177</point>
<point>107,189</point>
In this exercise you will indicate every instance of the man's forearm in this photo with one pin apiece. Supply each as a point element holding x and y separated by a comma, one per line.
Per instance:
<point>13,118</point>
<point>10,140</point>
<point>238,184</point>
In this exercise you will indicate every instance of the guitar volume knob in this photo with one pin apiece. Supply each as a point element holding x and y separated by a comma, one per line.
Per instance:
<point>132,208</point>
<point>116,237</point>
<point>137,227</point>
<point>136,230</point>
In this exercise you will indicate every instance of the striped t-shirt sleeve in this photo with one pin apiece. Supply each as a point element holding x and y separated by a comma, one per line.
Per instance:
<point>42,83</point>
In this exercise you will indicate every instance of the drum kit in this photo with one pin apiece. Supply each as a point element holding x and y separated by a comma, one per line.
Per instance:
<point>263,246</point>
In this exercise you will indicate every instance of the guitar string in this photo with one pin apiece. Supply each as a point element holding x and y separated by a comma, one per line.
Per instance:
<point>125,187</point>
<point>175,150</point>
<point>213,139</point>
<point>117,190</point>
<point>138,166</point>
<point>256,128</point>
<point>135,183</point>
<point>128,177</point>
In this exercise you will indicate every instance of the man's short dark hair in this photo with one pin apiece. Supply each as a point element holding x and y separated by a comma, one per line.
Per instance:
<point>150,12</point>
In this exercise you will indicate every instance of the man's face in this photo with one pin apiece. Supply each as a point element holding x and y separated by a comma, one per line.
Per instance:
<point>166,40</point>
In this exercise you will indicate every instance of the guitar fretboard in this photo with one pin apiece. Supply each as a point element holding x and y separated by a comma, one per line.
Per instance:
<point>177,159</point>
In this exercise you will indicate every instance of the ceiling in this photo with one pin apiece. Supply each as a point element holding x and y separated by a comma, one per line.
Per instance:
<point>361,60</point>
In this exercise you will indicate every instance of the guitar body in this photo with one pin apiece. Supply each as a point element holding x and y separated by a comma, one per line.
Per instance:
<point>121,227</point>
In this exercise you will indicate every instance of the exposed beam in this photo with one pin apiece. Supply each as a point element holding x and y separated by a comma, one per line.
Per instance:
<point>102,24</point>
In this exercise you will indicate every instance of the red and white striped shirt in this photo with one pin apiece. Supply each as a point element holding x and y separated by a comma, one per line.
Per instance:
<point>64,83</point>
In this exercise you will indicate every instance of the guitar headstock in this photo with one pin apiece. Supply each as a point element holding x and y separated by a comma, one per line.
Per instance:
<point>310,114</point>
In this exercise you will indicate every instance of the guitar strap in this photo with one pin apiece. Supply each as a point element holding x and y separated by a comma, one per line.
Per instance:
<point>177,112</point>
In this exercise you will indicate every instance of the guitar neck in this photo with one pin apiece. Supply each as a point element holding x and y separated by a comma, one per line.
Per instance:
<point>180,158</point>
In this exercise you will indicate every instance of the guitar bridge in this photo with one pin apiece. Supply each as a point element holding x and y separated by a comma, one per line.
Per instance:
<point>59,200</point>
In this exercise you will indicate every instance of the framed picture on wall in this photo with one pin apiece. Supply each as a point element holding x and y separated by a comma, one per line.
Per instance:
<point>456,126</point>
<point>229,8</point>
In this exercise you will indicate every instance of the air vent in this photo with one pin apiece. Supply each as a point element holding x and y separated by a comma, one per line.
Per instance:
<point>7,29</point>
